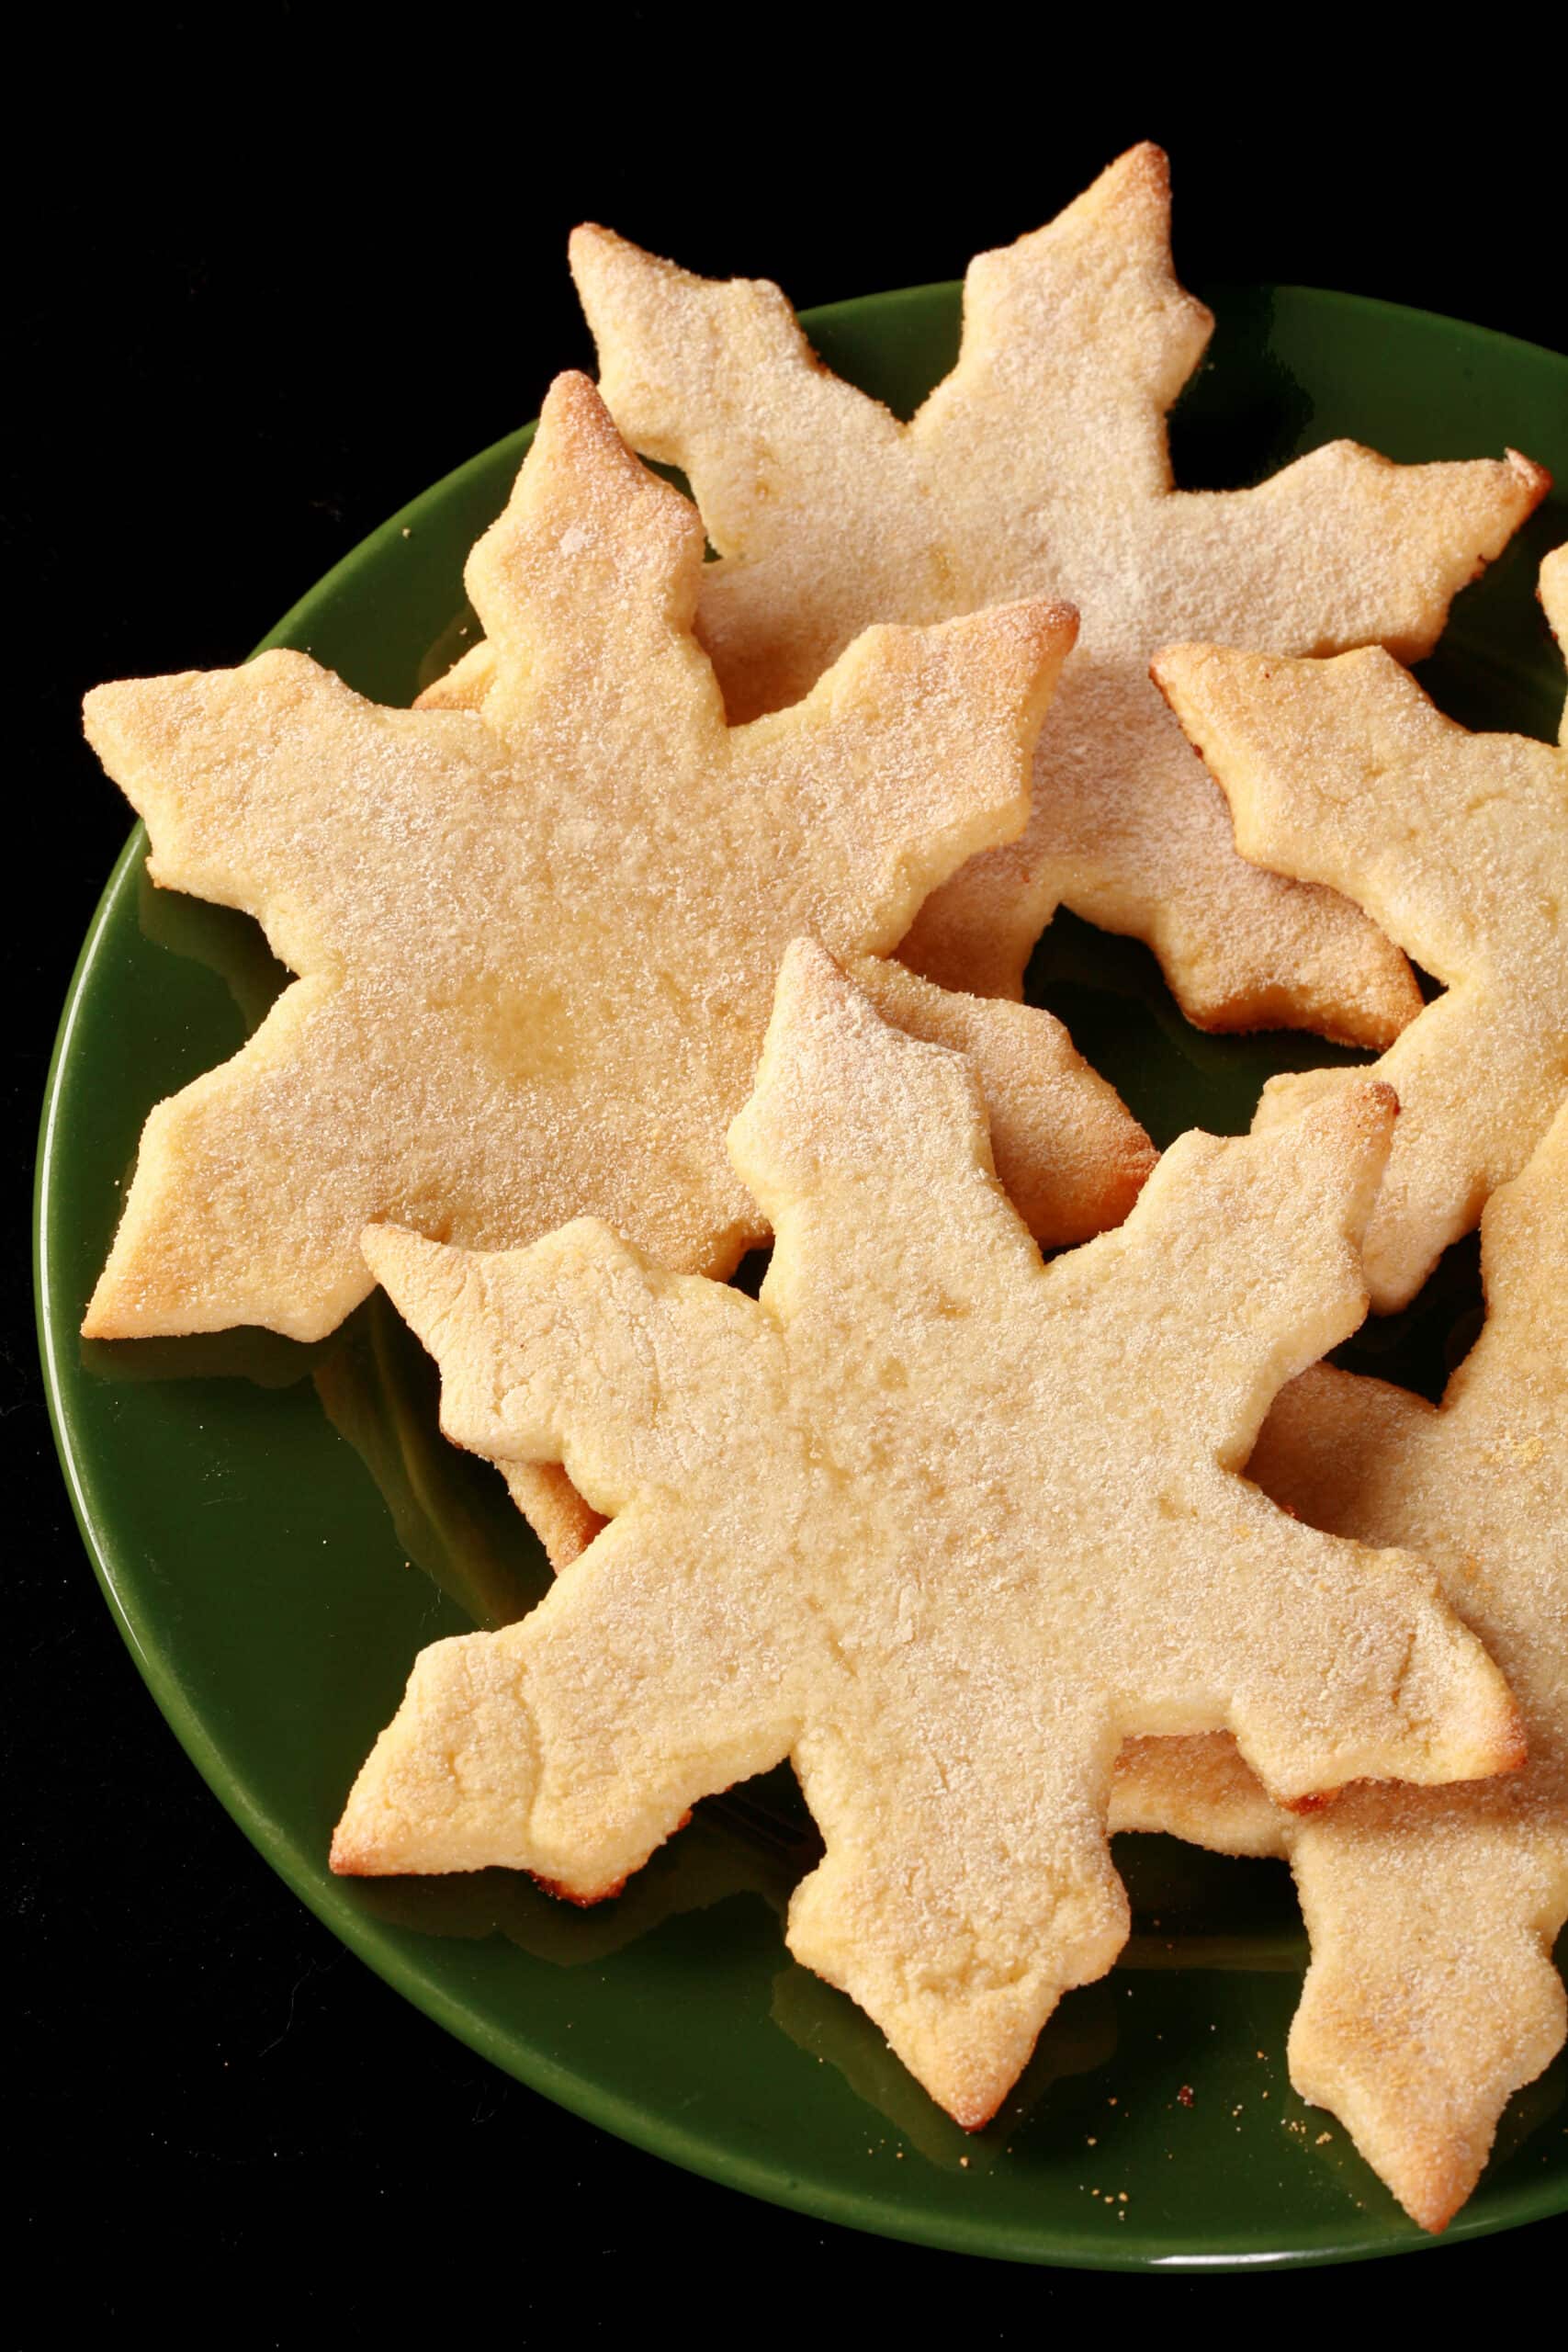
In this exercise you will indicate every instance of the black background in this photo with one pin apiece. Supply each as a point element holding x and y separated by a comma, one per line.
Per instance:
<point>264,284</point>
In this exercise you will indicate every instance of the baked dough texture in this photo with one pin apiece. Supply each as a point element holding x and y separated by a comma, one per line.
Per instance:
<point>937,1522</point>
<point>538,945</point>
<point>1039,466</point>
<point>1432,1995</point>
<point>1344,773</point>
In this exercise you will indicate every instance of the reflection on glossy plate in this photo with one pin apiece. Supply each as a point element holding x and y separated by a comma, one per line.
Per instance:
<point>279,1528</point>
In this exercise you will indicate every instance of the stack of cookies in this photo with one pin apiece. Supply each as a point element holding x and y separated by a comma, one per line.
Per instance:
<point>690,911</point>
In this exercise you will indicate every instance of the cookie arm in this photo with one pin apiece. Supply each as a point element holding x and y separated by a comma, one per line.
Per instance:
<point>715,376</point>
<point>1372,552</point>
<point>1076,339</point>
<point>586,586</point>
<point>243,776</point>
<point>1342,772</point>
<point>1070,1155</point>
<point>573,1744</point>
<point>868,1152</point>
<point>1340,1663</point>
<point>911,755</point>
<point>1266,1232</point>
<point>271,1246</point>
<point>1431,1996</point>
<point>959,1954</point>
<point>1320,1453</point>
<point>1135,840</point>
<point>579,1352</point>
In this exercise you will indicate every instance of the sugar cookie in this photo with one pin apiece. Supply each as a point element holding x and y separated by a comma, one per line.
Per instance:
<point>538,945</point>
<point>941,1523</point>
<point>1039,466</point>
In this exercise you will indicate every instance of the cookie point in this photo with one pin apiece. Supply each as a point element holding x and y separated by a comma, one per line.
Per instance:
<point>1173,666</point>
<point>347,1857</point>
<point>378,1246</point>
<point>564,1894</point>
<point>99,1322</point>
<point>395,1256</point>
<point>1534,477</point>
<point>809,975</point>
<point>1357,1114</point>
<point>1314,1801</point>
<point>1146,157</point>
<point>1141,169</point>
<point>575,395</point>
<point>805,957</point>
<point>1513,1749</point>
<point>1052,624</point>
<point>1431,2183</point>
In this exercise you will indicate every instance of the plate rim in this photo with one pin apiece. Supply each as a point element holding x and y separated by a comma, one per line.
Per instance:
<point>653,2133</point>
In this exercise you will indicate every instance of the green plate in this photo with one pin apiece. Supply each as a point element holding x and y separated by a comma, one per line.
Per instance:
<point>278,1528</point>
